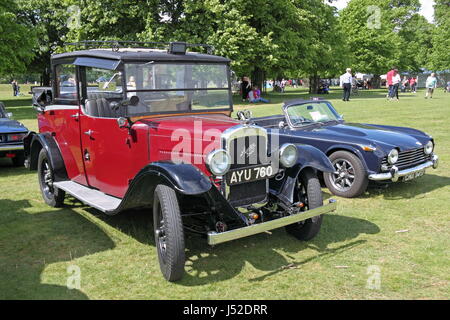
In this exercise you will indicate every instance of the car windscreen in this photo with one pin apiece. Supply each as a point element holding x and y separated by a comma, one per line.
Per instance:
<point>177,87</point>
<point>307,113</point>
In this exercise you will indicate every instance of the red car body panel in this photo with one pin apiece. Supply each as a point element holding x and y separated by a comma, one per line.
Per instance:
<point>119,154</point>
<point>60,123</point>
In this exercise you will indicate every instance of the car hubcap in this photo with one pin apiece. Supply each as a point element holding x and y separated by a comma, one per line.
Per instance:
<point>344,176</point>
<point>160,234</point>
<point>47,179</point>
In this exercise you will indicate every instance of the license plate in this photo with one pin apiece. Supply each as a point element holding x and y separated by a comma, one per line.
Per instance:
<point>414,175</point>
<point>249,174</point>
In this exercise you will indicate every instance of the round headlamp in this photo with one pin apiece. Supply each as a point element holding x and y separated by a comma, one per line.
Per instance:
<point>288,155</point>
<point>393,156</point>
<point>218,162</point>
<point>428,149</point>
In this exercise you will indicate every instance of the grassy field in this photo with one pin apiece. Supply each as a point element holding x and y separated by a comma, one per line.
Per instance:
<point>117,259</point>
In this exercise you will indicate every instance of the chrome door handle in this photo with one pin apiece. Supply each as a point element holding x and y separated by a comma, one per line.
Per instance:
<point>75,116</point>
<point>89,132</point>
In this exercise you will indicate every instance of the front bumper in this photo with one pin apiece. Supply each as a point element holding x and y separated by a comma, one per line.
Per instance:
<point>394,174</point>
<point>11,147</point>
<point>216,238</point>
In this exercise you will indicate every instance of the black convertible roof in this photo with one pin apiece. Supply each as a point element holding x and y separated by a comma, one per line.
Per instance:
<point>137,54</point>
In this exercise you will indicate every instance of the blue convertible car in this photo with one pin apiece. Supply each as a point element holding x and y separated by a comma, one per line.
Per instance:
<point>358,152</point>
<point>12,133</point>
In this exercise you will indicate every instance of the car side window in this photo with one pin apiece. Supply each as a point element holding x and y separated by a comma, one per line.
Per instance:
<point>104,93</point>
<point>66,83</point>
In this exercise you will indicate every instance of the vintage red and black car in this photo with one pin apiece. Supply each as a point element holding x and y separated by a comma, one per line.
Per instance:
<point>138,127</point>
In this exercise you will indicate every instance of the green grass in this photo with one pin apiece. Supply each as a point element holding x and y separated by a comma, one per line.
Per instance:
<point>118,259</point>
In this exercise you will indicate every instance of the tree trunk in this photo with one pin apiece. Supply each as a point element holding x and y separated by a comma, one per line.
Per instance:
<point>376,81</point>
<point>314,84</point>
<point>45,78</point>
<point>258,77</point>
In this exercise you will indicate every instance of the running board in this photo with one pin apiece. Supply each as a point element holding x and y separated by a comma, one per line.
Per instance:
<point>91,197</point>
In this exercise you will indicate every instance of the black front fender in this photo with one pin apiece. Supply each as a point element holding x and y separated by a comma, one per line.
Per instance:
<point>310,158</point>
<point>184,178</point>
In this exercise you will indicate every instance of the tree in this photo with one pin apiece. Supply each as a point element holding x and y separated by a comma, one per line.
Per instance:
<point>373,33</point>
<point>16,40</point>
<point>439,59</point>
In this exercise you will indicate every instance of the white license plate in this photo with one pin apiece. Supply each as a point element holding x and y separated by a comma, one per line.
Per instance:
<point>414,175</point>
<point>249,174</point>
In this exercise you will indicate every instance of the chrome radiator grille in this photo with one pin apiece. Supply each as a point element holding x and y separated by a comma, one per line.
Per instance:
<point>409,158</point>
<point>246,145</point>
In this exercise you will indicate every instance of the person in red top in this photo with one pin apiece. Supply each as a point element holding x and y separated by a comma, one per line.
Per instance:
<point>412,84</point>
<point>389,83</point>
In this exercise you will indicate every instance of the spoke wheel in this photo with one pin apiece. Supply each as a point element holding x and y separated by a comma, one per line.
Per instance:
<point>310,194</point>
<point>169,234</point>
<point>51,194</point>
<point>349,178</point>
<point>344,176</point>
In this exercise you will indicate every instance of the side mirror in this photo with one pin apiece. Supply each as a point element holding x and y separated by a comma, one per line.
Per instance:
<point>9,114</point>
<point>281,124</point>
<point>41,100</point>
<point>341,117</point>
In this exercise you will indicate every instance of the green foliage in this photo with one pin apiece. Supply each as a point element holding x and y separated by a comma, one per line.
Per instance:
<point>16,41</point>
<point>440,56</point>
<point>380,33</point>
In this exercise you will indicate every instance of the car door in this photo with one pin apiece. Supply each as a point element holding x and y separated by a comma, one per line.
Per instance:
<point>60,118</point>
<point>106,148</point>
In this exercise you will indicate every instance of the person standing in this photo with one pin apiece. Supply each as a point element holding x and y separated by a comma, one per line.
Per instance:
<point>245,88</point>
<point>346,83</point>
<point>431,84</point>
<point>412,85</point>
<point>15,88</point>
<point>396,79</point>
<point>389,85</point>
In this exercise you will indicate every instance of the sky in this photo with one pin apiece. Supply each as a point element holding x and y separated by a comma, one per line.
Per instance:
<point>426,10</point>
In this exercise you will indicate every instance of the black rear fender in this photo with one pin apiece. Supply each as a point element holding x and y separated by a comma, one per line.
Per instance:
<point>34,142</point>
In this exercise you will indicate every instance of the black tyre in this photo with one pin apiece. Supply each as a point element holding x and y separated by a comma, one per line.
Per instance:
<point>18,160</point>
<point>169,234</point>
<point>311,195</point>
<point>350,178</point>
<point>52,195</point>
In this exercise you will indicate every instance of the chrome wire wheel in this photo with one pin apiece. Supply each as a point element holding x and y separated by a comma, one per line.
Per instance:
<point>343,177</point>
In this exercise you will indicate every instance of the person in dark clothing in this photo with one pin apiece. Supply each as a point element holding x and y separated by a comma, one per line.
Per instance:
<point>346,83</point>
<point>15,88</point>
<point>246,87</point>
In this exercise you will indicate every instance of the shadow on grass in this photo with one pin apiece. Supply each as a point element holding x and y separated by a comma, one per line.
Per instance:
<point>206,264</point>
<point>411,189</point>
<point>7,169</point>
<point>30,242</point>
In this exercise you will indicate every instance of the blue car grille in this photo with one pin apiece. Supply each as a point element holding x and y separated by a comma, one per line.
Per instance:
<point>409,158</point>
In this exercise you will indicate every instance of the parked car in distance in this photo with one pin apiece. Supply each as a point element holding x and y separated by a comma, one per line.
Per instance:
<point>359,152</point>
<point>157,135</point>
<point>12,133</point>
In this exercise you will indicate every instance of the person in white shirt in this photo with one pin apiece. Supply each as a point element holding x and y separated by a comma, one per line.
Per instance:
<point>346,83</point>
<point>396,79</point>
